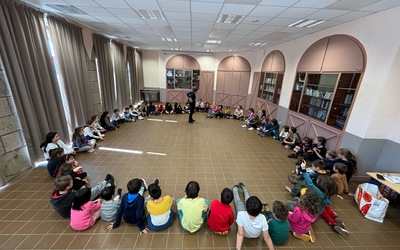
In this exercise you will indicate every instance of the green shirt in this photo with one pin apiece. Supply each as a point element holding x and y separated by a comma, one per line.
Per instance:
<point>192,210</point>
<point>278,231</point>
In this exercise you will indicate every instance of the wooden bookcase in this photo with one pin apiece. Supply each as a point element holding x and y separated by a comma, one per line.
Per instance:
<point>270,86</point>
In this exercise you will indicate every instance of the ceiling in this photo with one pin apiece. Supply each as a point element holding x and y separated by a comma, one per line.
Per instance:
<point>192,25</point>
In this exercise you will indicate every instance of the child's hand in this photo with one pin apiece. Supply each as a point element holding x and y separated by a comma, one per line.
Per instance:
<point>77,169</point>
<point>144,231</point>
<point>110,226</point>
<point>303,164</point>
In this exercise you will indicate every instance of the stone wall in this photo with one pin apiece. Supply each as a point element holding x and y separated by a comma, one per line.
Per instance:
<point>14,156</point>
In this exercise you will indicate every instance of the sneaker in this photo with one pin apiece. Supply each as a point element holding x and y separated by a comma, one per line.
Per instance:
<point>339,222</point>
<point>258,128</point>
<point>287,147</point>
<point>303,237</point>
<point>235,186</point>
<point>241,185</point>
<point>292,156</point>
<point>340,230</point>
<point>108,177</point>
<point>265,206</point>
<point>251,128</point>
<point>244,125</point>
<point>311,233</point>
<point>119,192</point>
<point>156,181</point>
<point>144,184</point>
<point>111,182</point>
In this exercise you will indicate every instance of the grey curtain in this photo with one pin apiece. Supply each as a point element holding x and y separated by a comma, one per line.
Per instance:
<point>134,57</point>
<point>30,72</point>
<point>102,50</point>
<point>122,88</point>
<point>68,43</point>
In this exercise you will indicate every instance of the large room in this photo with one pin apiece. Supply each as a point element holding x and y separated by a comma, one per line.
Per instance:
<point>327,68</point>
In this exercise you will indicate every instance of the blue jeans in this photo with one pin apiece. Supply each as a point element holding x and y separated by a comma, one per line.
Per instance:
<point>162,227</point>
<point>203,215</point>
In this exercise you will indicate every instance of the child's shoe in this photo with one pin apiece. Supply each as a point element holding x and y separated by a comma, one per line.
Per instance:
<point>265,206</point>
<point>340,230</point>
<point>241,185</point>
<point>144,184</point>
<point>339,222</point>
<point>111,182</point>
<point>292,155</point>
<point>119,192</point>
<point>303,237</point>
<point>287,147</point>
<point>251,128</point>
<point>244,125</point>
<point>108,177</point>
<point>311,233</point>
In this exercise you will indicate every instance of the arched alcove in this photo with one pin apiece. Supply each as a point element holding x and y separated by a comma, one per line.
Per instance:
<point>328,76</point>
<point>233,81</point>
<point>267,84</point>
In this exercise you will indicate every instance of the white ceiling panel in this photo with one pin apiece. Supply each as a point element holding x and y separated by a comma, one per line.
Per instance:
<point>238,9</point>
<point>212,1</point>
<point>314,3</point>
<point>297,12</point>
<point>351,5</point>
<point>96,11</point>
<point>110,19</point>
<point>269,28</point>
<point>112,4</point>
<point>382,5</point>
<point>199,7</point>
<point>178,23</point>
<point>144,4</point>
<point>240,32</point>
<point>286,3</point>
<point>351,16</point>
<point>156,22</point>
<point>171,5</point>
<point>255,19</point>
<point>127,12</point>
<point>325,14</point>
<point>184,16</point>
<point>204,17</point>
<point>220,33</point>
<point>283,22</point>
<point>225,25</point>
<point>181,28</point>
<point>131,20</point>
<point>202,25</point>
<point>248,27</point>
<point>82,3</point>
<point>267,11</point>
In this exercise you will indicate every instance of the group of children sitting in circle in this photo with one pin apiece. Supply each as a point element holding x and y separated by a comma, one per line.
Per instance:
<point>315,179</point>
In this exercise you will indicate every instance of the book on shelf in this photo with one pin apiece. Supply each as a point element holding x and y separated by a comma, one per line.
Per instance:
<point>328,95</point>
<point>345,110</point>
<point>339,122</point>
<point>348,99</point>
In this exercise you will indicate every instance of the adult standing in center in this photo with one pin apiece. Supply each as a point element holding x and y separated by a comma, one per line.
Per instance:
<point>192,103</point>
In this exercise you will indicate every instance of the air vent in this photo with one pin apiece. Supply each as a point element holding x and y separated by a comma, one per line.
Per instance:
<point>150,14</point>
<point>224,18</point>
<point>67,9</point>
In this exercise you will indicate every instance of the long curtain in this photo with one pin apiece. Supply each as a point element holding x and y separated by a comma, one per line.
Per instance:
<point>68,43</point>
<point>102,50</point>
<point>134,57</point>
<point>122,88</point>
<point>31,75</point>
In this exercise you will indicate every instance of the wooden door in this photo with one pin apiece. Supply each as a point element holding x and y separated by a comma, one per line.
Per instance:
<point>206,86</point>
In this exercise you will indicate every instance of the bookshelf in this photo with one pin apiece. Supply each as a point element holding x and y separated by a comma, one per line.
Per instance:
<point>182,78</point>
<point>297,91</point>
<point>270,86</point>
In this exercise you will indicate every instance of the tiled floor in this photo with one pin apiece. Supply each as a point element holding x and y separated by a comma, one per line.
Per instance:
<point>217,153</point>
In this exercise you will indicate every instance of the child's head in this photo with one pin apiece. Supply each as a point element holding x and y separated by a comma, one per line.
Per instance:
<point>253,206</point>
<point>192,189</point>
<point>94,118</point>
<point>280,210</point>
<point>326,185</point>
<point>330,154</point>
<point>294,178</point>
<point>107,193</point>
<point>56,153</point>
<point>66,168</point>
<point>274,121</point>
<point>134,186</point>
<point>82,196</point>
<point>226,196</point>
<point>307,140</point>
<point>320,140</point>
<point>127,109</point>
<point>293,129</point>
<point>154,191</point>
<point>106,114</point>
<point>340,168</point>
<point>69,158</point>
<point>63,183</point>
<point>309,202</point>
<point>263,112</point>
<point>251,110</point>
<point>317,165</point>
<point>286,128</point>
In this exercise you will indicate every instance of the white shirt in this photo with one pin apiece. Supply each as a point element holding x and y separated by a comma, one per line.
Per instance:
<point>238,112</point>
<point>60,144</point>
<point>252,228</point>
<point>89,132</point>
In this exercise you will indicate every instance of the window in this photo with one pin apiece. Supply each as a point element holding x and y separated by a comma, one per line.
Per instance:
<point>182,78</point>
<point>325,97</point>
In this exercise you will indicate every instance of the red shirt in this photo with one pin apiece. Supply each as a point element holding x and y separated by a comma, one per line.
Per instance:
<point>221,216</point>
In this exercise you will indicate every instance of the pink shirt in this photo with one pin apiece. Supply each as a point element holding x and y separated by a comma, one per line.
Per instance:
<point>83,219</point>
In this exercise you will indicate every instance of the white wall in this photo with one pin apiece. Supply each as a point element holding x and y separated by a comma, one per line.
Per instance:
<point>372,115</point>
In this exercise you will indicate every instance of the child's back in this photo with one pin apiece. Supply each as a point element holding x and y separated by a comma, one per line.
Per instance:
<point>278,225</point>
<point>221,214</point>
<point>305,213</point>
<point>109,206</point>
<point>159,208</point>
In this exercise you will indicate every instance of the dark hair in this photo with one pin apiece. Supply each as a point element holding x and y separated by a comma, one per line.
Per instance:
<point>321,139</point>
<point>226,196</point>
<point>294,130</point>
<point>154,191</point>
<point>192,189</point>
<point>307,140</point>
<point>350,157</point>
<point>55,152</point>
<point>274,121</point>
<point>341,168</point>
<point>294,178</point>
<point>134,186</point>
<point>253,206</point>
<point>49,139</point>
<point>251,110</point>
<point>319,164</point>
<point>309,202</point>
<point>116,110</point>
<point>264,113</point>
<point>286,128</point>
<point>240,106</point>
<point>66,168</point>
<point>93,118</point>
<point>76,133</point>
<point>326,185</point>
<point>61,183</point>
<point>332,154</point>
<point>107,193</point>
<point>280,210</point>
<point>82,196</point>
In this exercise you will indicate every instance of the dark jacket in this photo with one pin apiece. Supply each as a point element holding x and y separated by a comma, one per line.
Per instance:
<point>62,203</point>
<point>131,208</point>
<point>53,164</point>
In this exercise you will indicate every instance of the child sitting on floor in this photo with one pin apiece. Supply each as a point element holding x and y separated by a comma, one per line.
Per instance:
<point>159,208</point>
<point>339,177</point>
<point>192,209</point>
<point>84,212</point>
<point>110,204</point>
<point>278,225</point>
<point>221,215</point>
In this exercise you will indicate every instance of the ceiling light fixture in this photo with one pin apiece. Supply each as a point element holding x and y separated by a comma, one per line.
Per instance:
<point>257,44</point>
<point>306,23</point>
<point>229,18</point>
<point>150,14</point>
<point>213,41</point>
<point>207,50</point>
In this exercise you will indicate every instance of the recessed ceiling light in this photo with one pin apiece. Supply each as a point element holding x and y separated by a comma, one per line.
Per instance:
<point>207,50</point>
<point>213,41</point>
<point>176,49</point>
<point>67,9</point>
<point>150,14</point>
<point>257,44</point>
<point>228,18</point>
<point>307,23</point>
